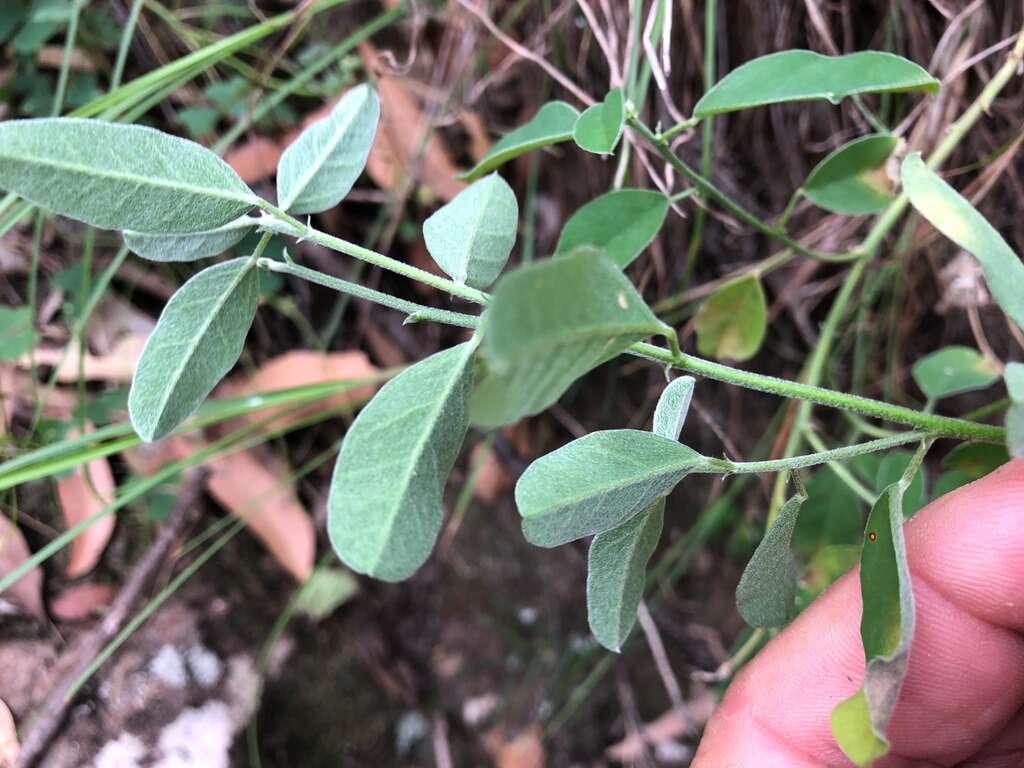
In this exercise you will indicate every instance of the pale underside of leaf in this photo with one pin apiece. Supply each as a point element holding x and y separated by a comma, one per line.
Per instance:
<point>673,406</point>
<point>799,75</point>
<point>119,176</point>
<point>319,168</point>
<point>189,247</point>
<point>197,340</point>
<point>385,504</point>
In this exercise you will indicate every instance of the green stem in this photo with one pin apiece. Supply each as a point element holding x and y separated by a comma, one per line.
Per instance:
<point>281,223</point>
<point>416,312</point>
<point>125,44</point>
<point>707,134</point>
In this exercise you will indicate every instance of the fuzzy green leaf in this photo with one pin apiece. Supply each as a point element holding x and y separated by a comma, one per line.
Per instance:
<point>547,324</point>
<point>17,332</point>
<point>672,408</point>
<point>190,247</point>
<point>197,340</point>
<point>621,223</point>
<point>804,75</point>
<point>731,323</point>
<point>1014,375</point>
<point>952,371</point>
<point>385,505</point>
<point>599,128</point>
<point>597,483</point>
<point>471,237</point>
<point>553,123</point>
<point>326,590</point>
<point>767,587</point>
<point>616,568</point>
<point>958,220</point>
<point>851,724</point>
<point>119,176</point>
<point>319,168</point>
<point>852,179</point>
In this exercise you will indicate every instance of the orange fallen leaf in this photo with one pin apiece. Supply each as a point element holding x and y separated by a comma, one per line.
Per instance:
<point>82,494</point>
<point>525,750</point>
<point>26,592</point>
<point>10,748</point>
<point>491,478</point>
<point>82,601</point>
<point>116,367</point>
<point>255,488</point>
<point>256,159</point>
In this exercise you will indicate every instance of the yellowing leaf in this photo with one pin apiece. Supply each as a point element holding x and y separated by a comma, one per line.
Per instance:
<point>731,324</point>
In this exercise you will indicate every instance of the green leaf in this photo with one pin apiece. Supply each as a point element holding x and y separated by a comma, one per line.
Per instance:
<point>831,515</point>
<point>621,223</point>
<point>17,332</point>
<point>471,237</point>
<point>950,481</point>
<point>957,219</point>
<point>197,340</point>
<point>553,123</point>
<point>976,459</point>
<point>119,176</point>
<point>952,371</point>
<point>887,628</point>
<point>319,168</point>
<point>616,569</point>
<point>731,323</point>
<point>852,179</point>
<point>767,587</point>
<point>547,324</point>
<point>325,591</point>
<point>805,75</point>
<point>597,483</point>
<point>599,128</point>
<point>1014,375</point>
<point>190,247</point>
<point>672,408</point>
<point>893,466</point>
<point>385,505</point>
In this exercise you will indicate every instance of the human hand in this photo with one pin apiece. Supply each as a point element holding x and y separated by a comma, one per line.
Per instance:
<point>963,699</point>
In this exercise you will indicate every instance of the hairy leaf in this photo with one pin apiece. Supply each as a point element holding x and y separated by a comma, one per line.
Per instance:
<point>119,176</point>
<point>852,179</point>
<point>189,247</point>
<point>597,483</point>
<point>957,219</point>
<point>672,408</point>
<point>767,588</point>
<point>197,340</point>
<point>891,468</point>
<point>553,123</point>
<point>621,223</point>
<point>731,323</point>
<point>385,505</point>
<point>616,568</point>
<point>550,322</point>
<point>319,168</point>
<point>1014,375</point>
<point>471,237</point>
<point>803,75</point>
<point>952,371</point>
<point>599,128</point>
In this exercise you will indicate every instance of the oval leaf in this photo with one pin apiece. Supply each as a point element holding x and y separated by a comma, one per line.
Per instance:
<point>597,483</point>
<point>385,506</point>
<point>197,340</point>
<point>672,408</point>
<point>731,324</point>
<point>804,75</point>
<point>599,128</point>
<point>957,219</point>
<point>616,567</point>
<point>852,179</point>
<point>550,322</point>
<point>767,587</point>
<point>471,237</point>
<point>553,123</point>
<point>952,371</point>
<point>190,247</point>
<point>319,168</point>
<point>119,176</point>
<point>620,223</point>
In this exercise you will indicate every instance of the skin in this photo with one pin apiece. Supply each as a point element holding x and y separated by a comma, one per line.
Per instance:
<point>962,703</point>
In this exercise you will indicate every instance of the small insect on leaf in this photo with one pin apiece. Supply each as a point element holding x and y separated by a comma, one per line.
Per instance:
<point>553,123</point>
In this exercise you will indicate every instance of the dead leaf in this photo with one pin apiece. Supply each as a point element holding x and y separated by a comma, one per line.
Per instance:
<point>256,159</point>
<point>82,494</point>
<point>668,727</point>
<point>526,750</point>
<point>255,488</point>
<point>52,57</point>
<point>116,367</point>
<point>82,601</point>
<point>491,478</point>
<point>10,748</point>
<point>26,592</point>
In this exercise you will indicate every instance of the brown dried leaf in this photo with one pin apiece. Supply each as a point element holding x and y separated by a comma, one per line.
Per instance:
<point>526,750</point>
<point>491,478</point>
<point>116,367</point>
<point>9,745</point>
<point>82,494</point>
<point>27,592</point>
<point>256,159</point>
<point>255,488</point>
<point>82,601</point>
